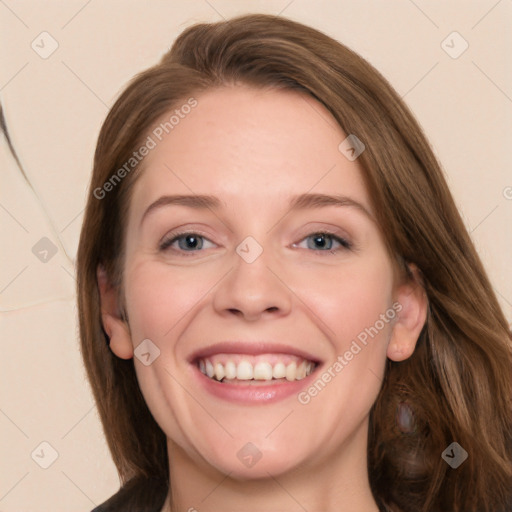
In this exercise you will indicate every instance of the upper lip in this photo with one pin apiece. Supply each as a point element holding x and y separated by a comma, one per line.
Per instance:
<point>250,348</point>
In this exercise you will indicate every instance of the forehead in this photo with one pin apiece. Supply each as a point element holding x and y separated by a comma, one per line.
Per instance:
<point>246,145</point>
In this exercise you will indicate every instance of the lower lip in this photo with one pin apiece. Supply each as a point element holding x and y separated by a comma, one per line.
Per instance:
<point>251,393</point>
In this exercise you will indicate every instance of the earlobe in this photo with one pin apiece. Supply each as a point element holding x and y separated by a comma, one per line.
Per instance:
<point>117,331</point>
<point>411,317</point>
<point>114,325</point>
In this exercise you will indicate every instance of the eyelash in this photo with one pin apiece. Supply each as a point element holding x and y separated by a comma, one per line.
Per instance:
<point>345,244</point>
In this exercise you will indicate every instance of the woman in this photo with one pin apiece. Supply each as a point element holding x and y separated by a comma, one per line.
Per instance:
<point>280,307</point>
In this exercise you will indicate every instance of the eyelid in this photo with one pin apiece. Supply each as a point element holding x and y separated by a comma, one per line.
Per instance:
<point>186,229</point>
<point>313,228</point>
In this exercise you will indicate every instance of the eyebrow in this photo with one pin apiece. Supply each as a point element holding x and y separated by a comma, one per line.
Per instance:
<point>198,202</point>
<point>305,201</point>
<point>300,202</point>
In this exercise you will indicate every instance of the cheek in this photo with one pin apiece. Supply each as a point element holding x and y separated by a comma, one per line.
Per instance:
<point>351,300</point>
<point>350,306</point>
<point>159,299</point>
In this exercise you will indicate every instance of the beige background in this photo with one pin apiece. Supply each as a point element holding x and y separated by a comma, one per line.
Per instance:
<point>54,108</point>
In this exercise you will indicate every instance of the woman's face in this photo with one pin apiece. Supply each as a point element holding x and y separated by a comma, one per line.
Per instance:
<point>245,282</point>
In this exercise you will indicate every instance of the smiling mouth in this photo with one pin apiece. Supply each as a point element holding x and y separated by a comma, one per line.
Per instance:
<point>262,369</point>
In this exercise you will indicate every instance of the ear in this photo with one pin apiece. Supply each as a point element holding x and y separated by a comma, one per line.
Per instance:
<point>113,323</point>
<point>412,314</point>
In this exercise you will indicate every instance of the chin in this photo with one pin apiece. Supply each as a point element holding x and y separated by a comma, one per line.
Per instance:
<point>267,466</point>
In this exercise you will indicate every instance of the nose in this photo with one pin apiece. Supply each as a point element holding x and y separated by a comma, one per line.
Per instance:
<point>253,290</point>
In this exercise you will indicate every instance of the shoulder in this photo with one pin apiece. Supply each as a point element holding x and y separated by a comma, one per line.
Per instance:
<point>137,495</point>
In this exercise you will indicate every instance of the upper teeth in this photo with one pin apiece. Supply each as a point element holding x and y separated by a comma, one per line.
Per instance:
<point>244,369</point>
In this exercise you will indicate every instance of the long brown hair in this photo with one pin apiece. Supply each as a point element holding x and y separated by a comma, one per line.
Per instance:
<point>457,384</point>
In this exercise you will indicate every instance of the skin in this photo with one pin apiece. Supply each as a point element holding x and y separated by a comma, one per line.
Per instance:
<point>255,149</point>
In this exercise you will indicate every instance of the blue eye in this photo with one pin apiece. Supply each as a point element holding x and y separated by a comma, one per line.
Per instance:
<point>193,242</point>
<point>325,242</point>
<point>187,242</point>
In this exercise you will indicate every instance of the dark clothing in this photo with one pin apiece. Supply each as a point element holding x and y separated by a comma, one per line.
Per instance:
<point>137,495</point>
<point>146,495</point>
